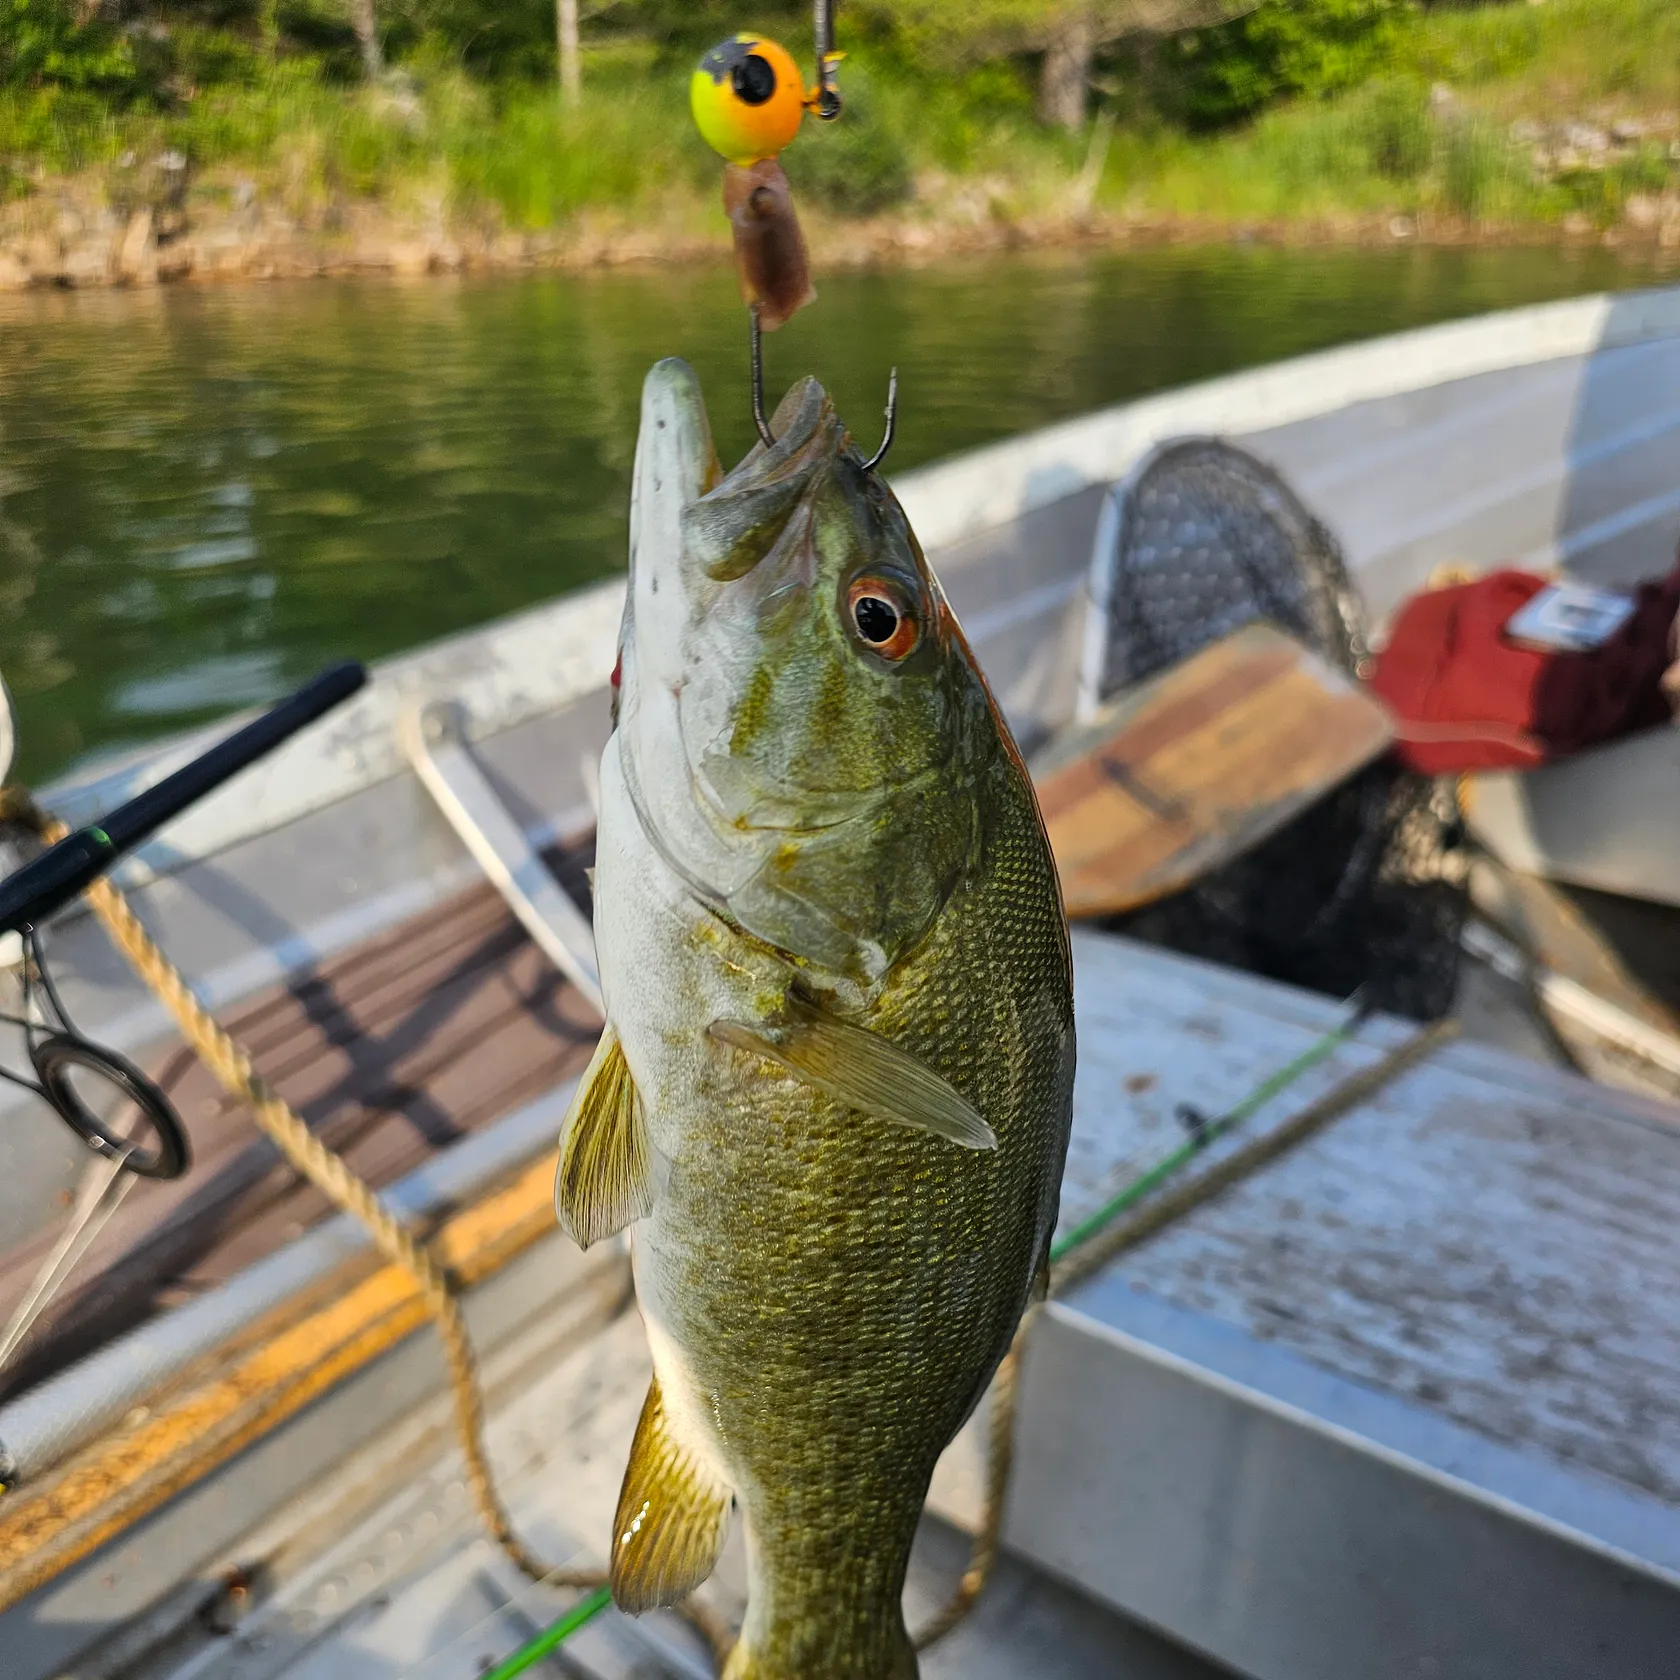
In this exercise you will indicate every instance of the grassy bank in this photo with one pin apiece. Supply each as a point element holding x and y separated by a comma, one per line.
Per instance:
<point>1522,120</point>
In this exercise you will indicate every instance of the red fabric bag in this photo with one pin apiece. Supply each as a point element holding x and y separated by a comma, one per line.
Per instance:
<point>1466,697</point>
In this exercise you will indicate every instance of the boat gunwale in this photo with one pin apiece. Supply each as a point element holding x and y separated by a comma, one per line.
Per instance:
<point>491,673</point>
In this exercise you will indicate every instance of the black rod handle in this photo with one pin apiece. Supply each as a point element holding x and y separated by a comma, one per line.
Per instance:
<point>39,889</point>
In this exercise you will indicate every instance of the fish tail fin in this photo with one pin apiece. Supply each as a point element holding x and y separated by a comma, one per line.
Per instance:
<point>672,1516</point>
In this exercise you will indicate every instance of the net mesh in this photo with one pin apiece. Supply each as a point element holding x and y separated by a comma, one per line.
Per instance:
<point>1360,890</point>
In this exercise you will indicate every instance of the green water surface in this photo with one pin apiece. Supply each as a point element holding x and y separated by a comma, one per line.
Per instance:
<point>206,494</point>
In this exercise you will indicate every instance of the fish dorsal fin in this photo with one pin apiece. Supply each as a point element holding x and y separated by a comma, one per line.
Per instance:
<point>605,1176</point>
<point>671,1519</point>
<point>863,1070</point>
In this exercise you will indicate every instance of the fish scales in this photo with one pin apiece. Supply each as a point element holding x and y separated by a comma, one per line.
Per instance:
<point>828,1284</point>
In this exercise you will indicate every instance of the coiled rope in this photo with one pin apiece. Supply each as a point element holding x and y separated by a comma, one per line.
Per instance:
<point>333,1176</point>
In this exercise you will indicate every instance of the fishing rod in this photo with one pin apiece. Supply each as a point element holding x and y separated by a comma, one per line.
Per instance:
<point>62,1058</point>
<point>42,888</point>
<point>68,1067</point>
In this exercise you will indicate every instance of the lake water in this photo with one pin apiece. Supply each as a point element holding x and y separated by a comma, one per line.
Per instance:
<point>206,494</point>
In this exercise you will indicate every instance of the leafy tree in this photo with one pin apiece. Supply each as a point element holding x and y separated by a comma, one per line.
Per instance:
<point>1282,48</point>
<point>1066,32</point>
<point>54,43</point>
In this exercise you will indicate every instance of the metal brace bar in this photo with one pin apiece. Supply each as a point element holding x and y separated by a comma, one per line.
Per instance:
<point>431,738</point>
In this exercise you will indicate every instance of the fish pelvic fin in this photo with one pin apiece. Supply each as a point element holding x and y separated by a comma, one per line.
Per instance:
<point>671,1521</point>
<point>863,1070</point>
<point>605,1177</point>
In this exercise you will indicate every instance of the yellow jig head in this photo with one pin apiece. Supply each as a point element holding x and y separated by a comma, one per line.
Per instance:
<point>748,99</point>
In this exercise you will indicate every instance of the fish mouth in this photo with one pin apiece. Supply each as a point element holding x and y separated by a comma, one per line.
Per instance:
<point>753,750</point>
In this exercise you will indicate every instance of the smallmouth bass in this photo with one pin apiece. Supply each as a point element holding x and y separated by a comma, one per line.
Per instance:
<point>835,1087</point>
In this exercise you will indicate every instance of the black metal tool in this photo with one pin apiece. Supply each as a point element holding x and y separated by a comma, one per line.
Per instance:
<point>65,1062</point>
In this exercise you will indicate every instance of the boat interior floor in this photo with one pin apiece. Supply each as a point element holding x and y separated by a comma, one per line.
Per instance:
<point>412,1591</point>
<point>406,1043</point>
<point>393,1051</point>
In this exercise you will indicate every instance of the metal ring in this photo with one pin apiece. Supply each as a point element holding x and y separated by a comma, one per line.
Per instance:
<point>55,1054</point>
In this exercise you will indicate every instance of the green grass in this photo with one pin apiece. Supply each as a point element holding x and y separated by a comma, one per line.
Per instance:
<point>1388,146</point>
<point>1562,57</point>
<point>446,141</point>
<point>1379,150</point>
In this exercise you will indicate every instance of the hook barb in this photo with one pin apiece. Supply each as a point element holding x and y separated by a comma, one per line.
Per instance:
<point>892,425</point>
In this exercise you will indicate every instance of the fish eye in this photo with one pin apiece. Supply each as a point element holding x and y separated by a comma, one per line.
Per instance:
<point>882,618</point>
<point>754,80</point>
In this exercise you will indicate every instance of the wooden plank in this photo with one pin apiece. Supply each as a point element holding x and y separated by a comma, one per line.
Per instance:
<point>1195,767</point>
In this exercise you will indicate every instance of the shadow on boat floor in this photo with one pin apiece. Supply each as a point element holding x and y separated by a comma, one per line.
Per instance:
<point>1028,1623</point>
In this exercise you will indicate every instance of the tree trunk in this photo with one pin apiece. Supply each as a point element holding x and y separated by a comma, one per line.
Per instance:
<point>571,72</point>
<point>1066,78</point>
<point>366,25</point>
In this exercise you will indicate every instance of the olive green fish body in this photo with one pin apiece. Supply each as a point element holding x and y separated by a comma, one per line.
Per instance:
<point>828,1285</point>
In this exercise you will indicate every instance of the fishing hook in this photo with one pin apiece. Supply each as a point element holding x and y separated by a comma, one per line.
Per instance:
<point>827,107</point>
<point>892,425</point>
<point>768,438</point>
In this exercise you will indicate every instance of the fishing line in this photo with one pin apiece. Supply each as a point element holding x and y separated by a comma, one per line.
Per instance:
<point>104,1185</point>
<point>1205,1132</point>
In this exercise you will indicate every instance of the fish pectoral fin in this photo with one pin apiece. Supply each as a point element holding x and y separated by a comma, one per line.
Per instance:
<point>863,1070</point>
<point>671,1520</point>
<point>605,1177</point>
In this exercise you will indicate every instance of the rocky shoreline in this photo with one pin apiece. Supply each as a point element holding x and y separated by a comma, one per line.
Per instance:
<point>68,244</point>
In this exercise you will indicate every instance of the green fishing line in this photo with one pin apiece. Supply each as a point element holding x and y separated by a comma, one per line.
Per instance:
<point>552,1636</point>
<point>1148,1182</point>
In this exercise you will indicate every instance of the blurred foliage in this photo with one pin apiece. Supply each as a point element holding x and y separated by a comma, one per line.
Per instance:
<point>1561,57</point>
<point>1284,48</point>
<point>47,42</point>
<point>1396,131</point>
<point>1292,108</point>
<point>951,33</point>
<point>860,165</point>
